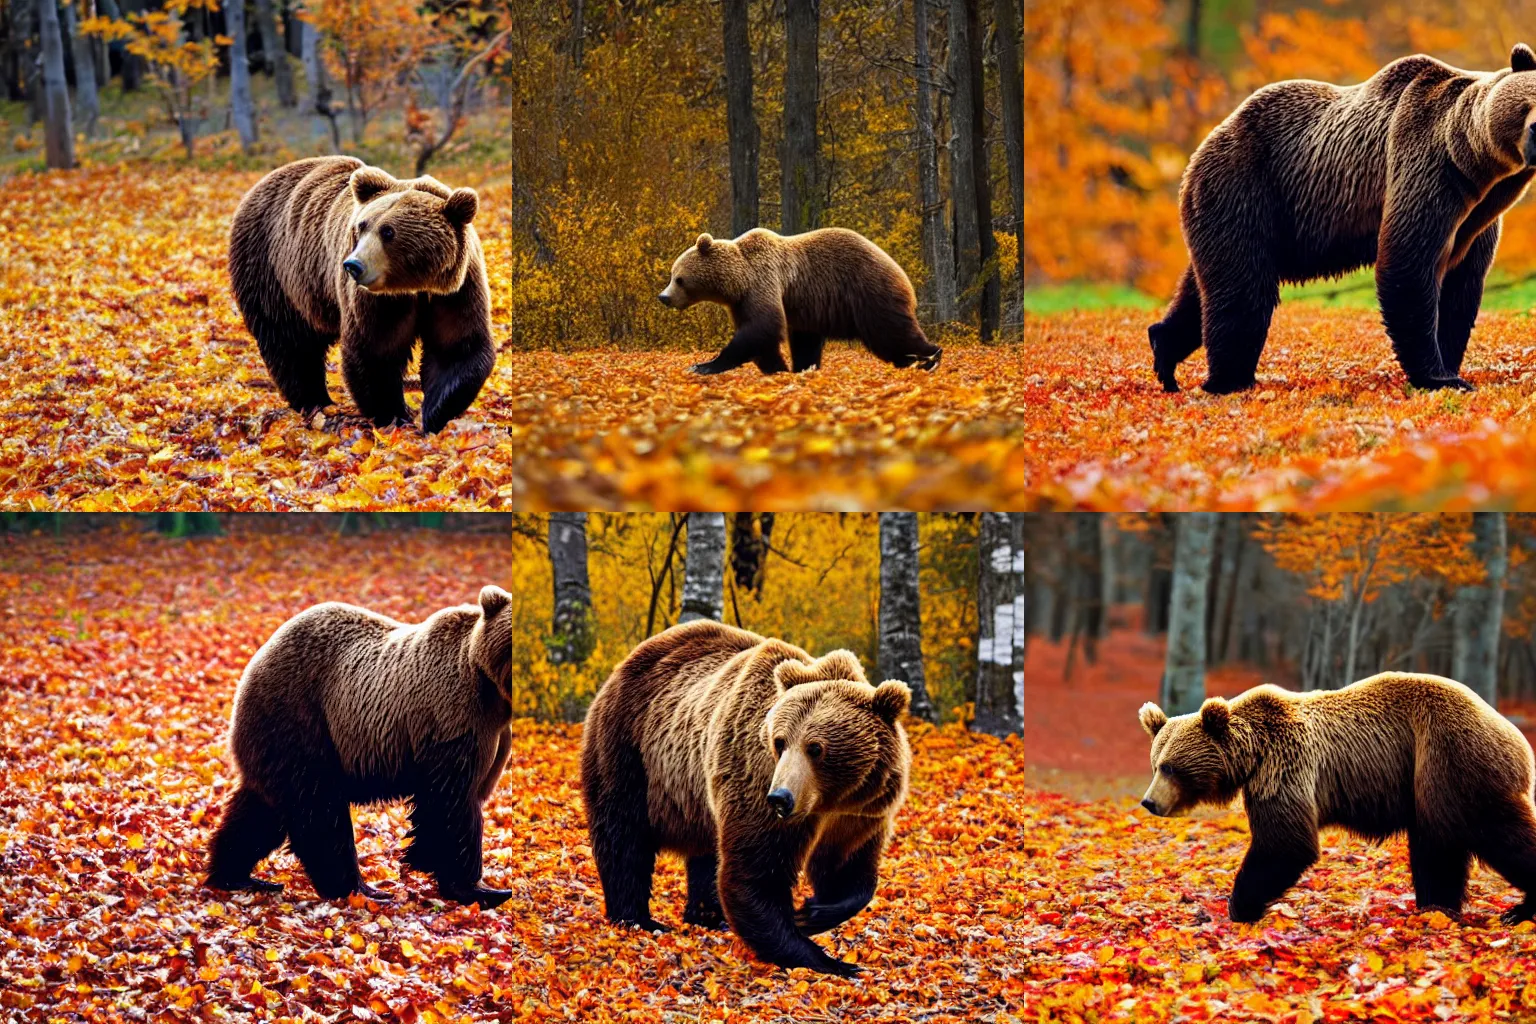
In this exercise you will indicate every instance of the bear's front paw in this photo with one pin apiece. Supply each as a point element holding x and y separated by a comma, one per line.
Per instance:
<point>1244,912</point>
<point>705,917</point>
<point>649,924</point>
<point>247,884</point>
<point>486,897</point>
<point>368,892</point>
<point>708,369</point>
<point>813,918</point>
<point>1442,384</point>
<point>1225,385</point>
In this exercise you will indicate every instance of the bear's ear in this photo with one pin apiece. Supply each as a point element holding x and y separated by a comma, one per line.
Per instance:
<point>368,182</point>
<point>461,206</point>
<point>839,664</point>
<point>493,599</point>
<point>703,244</point>
<point>1216,718</point>
<point>792,673</point>
<point>1521,58</point>
<point>430,185</point>
<point>891,700</point>
<point>1152,718</point>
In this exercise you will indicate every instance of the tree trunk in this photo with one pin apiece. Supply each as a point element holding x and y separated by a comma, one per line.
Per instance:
<point>1192,30</point>
<point>86,100</point>
<point>749,549</point>
<point>799,181</point>
<point>274,55</point>
<point>240,105</point>
<point>901,623</point>
<point>740,119</point>
<point>571,635</point>
<point>58,130</point>
<point>964,119</point>
<point>133,65</point>
<point>1479,618</point>
<point>578,32</point>
<point>704,567</point>
<point>1184,668</point>
<point>1011,85</point>
<point>319,99</point>
<point>936,248</point>
<point>999,696</point>
<point>987,268</point>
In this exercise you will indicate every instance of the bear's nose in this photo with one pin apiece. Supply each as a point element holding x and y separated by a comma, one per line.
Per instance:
<point>354,267</point>
<point>664,300</point>
<point>1149,805</point>
<point>782,801</point>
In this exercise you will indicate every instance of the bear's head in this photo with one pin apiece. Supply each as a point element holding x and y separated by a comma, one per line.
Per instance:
<point>837,742</point>
<point>409,236</point>
<point>1200,758</point>
<point>1509,111</point>
<point>712,270</point>
<point>490,642</point>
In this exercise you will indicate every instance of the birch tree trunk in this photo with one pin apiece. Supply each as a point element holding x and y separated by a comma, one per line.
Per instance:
<point>741,121</point>
<point>1000,622</point>
<point>319,87</point>
<point>799,181</point>
<point>1184,666</point>
<point>936,247</point>
<point>1479,619</point>
<point>58,129</point>
<point>571,636</point>
<point>901,620</point>
<point>273,54</point>
<point>86,100</point>
<point>1010,81</point>
<point>240,75</point>
<point>704,567</point>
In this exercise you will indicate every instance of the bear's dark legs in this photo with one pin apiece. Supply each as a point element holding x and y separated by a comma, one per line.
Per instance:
<point>1284,845</point>
<point>1506,842</point>
<point>295,356</point>
<point>451,379</point>
<point>250,830</point>
<point>703,896</point>
<point>375,382</point>
<point>447,811</point>
<point>622,843</point>
<point>421,855</point>
<point>1417,225</point>
<point>1461,294</point>
<point>805,350</point>
<point>757,337</point>
<point>757,893</point>
<point>320,835</point>
<point>1439,871</point>
<point>894,336</point>
<point>1176,336</point>
<point>843,886</point>
<point>1235,323</point>
<point>771,360</point>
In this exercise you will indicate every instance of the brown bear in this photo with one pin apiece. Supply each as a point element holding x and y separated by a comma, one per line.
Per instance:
<point>1394,753</point>
<point>1410,170</point>
<point>753,761</point>
<point>830,283</point>
<point>329,249</point>
<point>343,706</point>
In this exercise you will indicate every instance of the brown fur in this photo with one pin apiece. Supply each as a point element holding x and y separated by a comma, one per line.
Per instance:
<point>830,283</point>
<point>344,706</point>
<point>1410,170</point>
<point>290,239</point>
<point>679,754</point>
<point>1394,753</point>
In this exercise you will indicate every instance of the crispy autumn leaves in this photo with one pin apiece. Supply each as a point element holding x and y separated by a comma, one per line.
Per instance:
<point>120,655</point>
<point>132,384</point>
<point>1331,424</point>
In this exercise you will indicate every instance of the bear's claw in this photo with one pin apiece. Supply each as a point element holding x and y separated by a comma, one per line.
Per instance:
<point>249,884</point>
<point>487,898</point>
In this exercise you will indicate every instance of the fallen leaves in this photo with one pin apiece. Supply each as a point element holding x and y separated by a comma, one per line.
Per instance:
<point>133,385</point>
<point>118,657</point>
<point>1331,424</point>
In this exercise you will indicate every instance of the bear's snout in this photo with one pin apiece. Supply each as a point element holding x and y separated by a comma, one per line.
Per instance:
<point>782,801</point>
<point>354,267</point>
<point>1149,805</point>
<point>664,300</point>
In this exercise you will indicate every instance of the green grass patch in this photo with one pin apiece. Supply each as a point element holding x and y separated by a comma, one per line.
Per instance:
<point>1063,298</point>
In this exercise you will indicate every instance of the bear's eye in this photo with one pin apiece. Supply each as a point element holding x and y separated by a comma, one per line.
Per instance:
<point>362,225</point>
<point>681,283</point>
<point>813,750</point>
<point>387,233</point>
<point>778,745</point>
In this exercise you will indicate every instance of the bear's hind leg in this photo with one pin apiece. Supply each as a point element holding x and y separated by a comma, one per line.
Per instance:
<point>250,830</point>
<point>320,835</point>
<point>894,336</point>
<point>1439,872</point>
<point>1507,843</point>
<point>449,815</point>
<point>703,907</point>
<point>622,841</point>
<point>1235,325</point>
<point>1175,337</point>
<point>844,886</point>
<point>805,350</point>
<point>1461,294</point>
